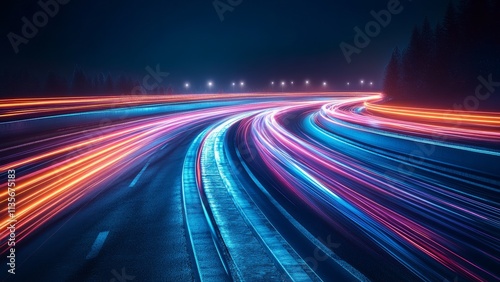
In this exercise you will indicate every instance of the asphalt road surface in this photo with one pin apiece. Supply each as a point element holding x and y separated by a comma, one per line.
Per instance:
<point>275,187</point>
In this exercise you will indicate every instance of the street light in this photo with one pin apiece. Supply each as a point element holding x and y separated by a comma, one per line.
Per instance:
<point>371,83</point>
<point>186,85</point>
<point>242,84</point>
<point>324,83</point>
<point>307,82</point>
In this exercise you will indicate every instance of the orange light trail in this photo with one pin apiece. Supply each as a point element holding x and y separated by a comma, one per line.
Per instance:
<point>435,115</point>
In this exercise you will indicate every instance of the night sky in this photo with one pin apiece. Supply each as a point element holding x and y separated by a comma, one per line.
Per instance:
<point>258,41</point>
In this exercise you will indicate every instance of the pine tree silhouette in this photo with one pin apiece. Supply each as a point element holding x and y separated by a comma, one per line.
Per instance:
<point>80,83</point>
<point>392,81</point>
<point>442,64</point>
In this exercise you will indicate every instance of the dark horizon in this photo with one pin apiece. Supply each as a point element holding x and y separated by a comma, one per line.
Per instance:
<point>256,42</point>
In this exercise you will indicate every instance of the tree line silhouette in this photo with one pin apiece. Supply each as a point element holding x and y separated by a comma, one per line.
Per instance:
<point>442,63</point>
<point>23,82</point>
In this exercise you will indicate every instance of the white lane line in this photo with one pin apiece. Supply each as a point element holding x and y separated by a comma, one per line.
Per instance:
<point>96,247</point>
<point>132,184</point>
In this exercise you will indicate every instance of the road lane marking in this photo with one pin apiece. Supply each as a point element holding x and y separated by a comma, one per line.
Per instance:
<point>96,247</point>
<point>132,184</point>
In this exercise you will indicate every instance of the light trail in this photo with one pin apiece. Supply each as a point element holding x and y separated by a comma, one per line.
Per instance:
<point>343,156</point>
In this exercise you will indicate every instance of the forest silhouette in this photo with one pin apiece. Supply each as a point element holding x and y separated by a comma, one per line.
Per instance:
<point>446,63</point>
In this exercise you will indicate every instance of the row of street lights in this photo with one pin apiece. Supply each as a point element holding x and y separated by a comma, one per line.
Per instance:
<point>308,82</point>
<point>210,84</point>
<point>283,83</point>
<point>362,82</point>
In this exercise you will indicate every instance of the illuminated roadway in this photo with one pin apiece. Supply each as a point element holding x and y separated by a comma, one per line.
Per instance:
<point>254,187</point>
